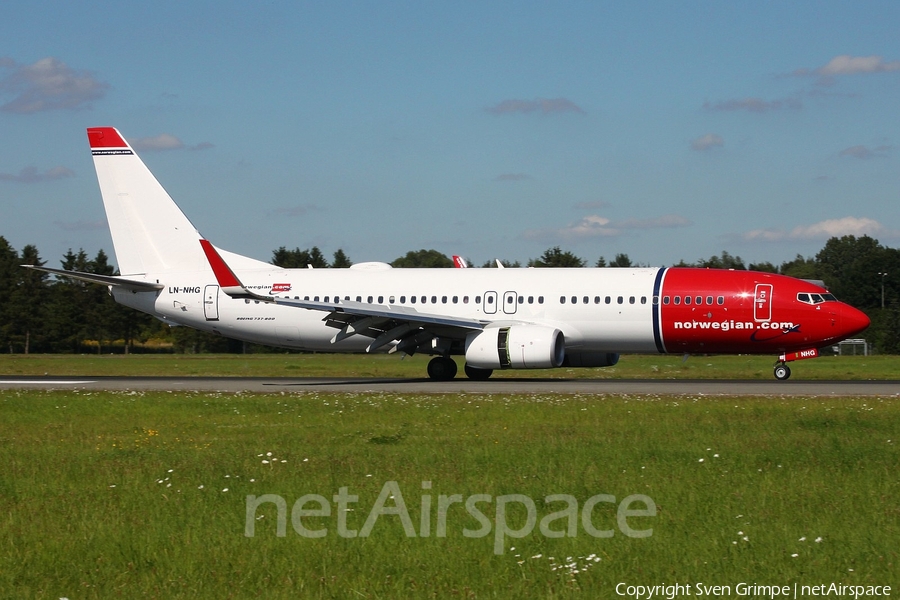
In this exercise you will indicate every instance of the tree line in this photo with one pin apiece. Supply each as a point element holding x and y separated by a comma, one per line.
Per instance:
<point>39,313</point>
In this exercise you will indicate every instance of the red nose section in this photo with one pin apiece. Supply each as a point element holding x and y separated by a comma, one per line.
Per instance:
<point>853,320</point>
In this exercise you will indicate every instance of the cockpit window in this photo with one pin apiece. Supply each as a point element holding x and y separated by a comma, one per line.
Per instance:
<point>809,298</point>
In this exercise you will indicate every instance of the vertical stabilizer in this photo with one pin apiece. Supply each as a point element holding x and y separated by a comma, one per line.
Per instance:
<point>149,232</point>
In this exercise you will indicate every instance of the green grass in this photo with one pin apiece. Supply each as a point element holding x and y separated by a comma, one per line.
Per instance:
<point>381,365</point>
<point>123,494</point>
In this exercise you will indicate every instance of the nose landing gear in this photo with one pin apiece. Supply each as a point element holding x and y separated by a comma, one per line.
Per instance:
<point>782,371</point>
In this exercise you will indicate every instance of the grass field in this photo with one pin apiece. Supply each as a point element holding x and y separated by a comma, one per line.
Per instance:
<point>145,495</point>
<point>382,365</point>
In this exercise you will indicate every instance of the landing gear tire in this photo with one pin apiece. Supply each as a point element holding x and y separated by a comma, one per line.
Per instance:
<point>782,372</point>
<point>478,374</point>
<point>441,368</point>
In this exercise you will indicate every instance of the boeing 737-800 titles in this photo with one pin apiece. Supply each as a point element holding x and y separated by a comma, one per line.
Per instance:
<point>495,318</point>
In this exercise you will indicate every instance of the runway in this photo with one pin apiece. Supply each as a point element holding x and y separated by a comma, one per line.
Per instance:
<point>706,387</point>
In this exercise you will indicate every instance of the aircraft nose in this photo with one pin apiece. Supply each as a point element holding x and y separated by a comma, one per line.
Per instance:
<point>853,320</point>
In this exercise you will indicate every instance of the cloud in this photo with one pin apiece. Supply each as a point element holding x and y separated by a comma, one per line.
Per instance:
<point>754,105</point>
<point>864,152</point>
<point>48,84</point>
<point>593,226</point>
<point>512,177</point>
<point>161,142</point>
<point>201,146</point>
<point>543,105</point>
<point>855,65</point>
<point>822,230</point>
<point>707,142</point>
<point>31,175</point>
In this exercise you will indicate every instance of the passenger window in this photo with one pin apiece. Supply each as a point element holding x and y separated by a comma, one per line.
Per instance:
<point>530,299</point>
<point>644,299</point>
<point>490,299</point>
<point>665,299</point>
<point>402,299</point>
<point>709,299</point>
<point>434,299</point>
<point>677,300</point>
<point>608,299</point>
<point>720,300</point>
<point>687,299</point>
<point>412,299</point>
<point>574,300</point>
<point>359,298</point>
<point>369,299</point>
<point>477,299</point>
<point>620,300</point>
<point>326,298</point>
<point>443,299</point>
<point>455,299</point>
<point>596,299</point>
<point>631,300</point>
<point>540,299</point>
<point>586,300</point>
<point>465,299</point>
<point>562,299</point>
<point>699,299</point>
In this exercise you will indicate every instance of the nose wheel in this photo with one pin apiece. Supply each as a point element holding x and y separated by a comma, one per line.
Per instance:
<point>782,372</point>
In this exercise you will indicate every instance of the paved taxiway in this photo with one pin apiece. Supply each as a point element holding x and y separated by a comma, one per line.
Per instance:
<point>796,387</point>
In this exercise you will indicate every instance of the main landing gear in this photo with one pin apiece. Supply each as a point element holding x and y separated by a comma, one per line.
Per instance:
<point>443,368</point>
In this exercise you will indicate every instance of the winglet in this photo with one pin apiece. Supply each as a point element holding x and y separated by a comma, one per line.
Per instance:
<point>226,278</point>
<point>459,262</point>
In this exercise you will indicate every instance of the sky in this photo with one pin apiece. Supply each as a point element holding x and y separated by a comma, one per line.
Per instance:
<point>662,130</point>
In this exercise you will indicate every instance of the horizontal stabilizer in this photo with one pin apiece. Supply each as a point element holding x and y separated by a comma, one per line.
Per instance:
<point>127,284</point>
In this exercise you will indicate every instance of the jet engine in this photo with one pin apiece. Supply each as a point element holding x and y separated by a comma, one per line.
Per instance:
<point>516,347</point>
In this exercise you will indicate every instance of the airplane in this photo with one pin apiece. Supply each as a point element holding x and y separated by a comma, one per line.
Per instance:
<point>496,319</point>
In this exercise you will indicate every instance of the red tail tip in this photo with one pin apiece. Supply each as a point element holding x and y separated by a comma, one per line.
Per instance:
<point>105,137</point>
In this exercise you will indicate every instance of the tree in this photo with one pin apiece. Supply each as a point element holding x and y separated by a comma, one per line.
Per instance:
<point>801,268</point>
<point>341,261</point>
<point>9,264</point>
<point>724,261</point>
<point>601,262</point>
<point>26,306</point>
<point>556,257</point>
<point>621,260</point>
<point>423,259</point>
<point>299,259</point>
<point>850,266</point>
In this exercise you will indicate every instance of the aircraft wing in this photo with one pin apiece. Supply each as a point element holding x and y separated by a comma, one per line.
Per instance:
<point>128,284</point>
<point>385,323</point>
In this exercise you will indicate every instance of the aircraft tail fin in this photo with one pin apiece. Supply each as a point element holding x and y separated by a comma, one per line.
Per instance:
<point>150,233</point>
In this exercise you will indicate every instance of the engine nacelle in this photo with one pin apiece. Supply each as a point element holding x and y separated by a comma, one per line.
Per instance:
<point>590,358</point>
<point>516,347</point>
